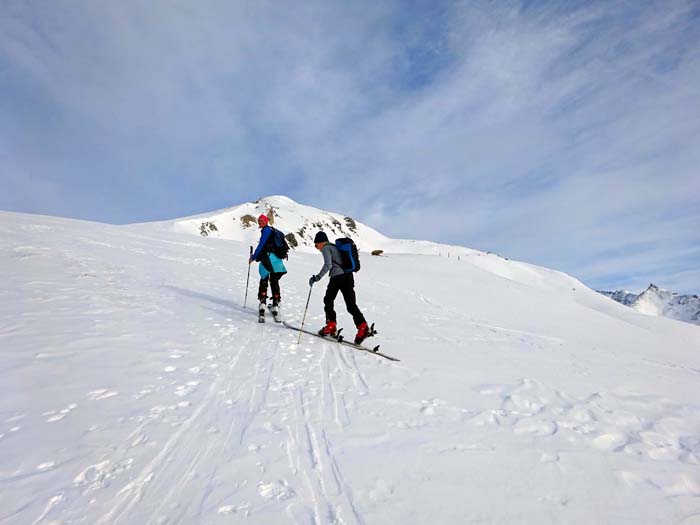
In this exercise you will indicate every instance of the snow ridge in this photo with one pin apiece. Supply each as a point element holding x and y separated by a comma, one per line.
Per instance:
<point>300,223</point>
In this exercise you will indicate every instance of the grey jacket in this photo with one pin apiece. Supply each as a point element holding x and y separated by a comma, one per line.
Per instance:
<point>332,260</point>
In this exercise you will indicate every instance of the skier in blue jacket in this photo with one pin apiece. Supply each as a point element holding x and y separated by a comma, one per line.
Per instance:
<point>271,267</point>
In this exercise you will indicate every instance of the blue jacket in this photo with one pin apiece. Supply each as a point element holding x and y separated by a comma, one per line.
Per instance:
<point>264,237</point>
<point>260,254</point>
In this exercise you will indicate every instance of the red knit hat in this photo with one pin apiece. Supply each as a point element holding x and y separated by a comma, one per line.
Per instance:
<point>263,218</point>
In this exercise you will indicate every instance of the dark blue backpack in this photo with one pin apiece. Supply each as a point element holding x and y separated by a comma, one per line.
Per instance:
<point>278,244</point>
<point>348,251</point>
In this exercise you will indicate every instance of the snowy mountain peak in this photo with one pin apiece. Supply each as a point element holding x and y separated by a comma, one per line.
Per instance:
<point>659,302</point>
<point>279,200</point>
<point>298,221</point>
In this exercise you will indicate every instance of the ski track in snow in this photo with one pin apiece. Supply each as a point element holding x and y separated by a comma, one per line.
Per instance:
<point>315,473</point>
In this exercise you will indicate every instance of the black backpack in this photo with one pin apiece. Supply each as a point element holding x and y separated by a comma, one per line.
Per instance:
<point>348,251</point>
<point>278,244</point>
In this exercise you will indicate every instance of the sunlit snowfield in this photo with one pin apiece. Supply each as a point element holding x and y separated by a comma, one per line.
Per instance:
<point>136,389</point>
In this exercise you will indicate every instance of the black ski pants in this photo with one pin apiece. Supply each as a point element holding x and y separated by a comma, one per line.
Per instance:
<point>274,279</point>
<point>344,284</point>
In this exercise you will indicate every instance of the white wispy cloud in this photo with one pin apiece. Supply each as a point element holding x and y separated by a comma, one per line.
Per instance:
<point>545,131</point>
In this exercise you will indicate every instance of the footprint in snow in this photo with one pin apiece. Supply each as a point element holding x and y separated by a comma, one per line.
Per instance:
<point>430,405</point>
<point>182,390</point>
<point>102,393</point>
<point>279,490</point>
<point>92,475</point>
<point>235,509</point>
<point>535,427</point>
<point>613,441</point>
<point>58,415</point>
<point>144,392</point>
<point>549,457</point>
<point>271,427</point>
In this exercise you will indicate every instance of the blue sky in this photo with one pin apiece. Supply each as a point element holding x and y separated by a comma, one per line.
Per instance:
<point>565,134</point>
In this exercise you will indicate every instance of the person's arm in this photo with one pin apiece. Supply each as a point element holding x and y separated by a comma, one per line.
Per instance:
<point>264,236</point>
<point>327,262</point>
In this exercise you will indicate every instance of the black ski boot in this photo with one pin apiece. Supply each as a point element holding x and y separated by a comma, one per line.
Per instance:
<point>275,310</point>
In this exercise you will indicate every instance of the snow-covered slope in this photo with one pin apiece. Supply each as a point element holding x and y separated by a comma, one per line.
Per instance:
<point>136,389</point>
<point>658,302</point>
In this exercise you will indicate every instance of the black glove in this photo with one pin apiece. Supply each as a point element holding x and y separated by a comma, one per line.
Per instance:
<point>312,280</point>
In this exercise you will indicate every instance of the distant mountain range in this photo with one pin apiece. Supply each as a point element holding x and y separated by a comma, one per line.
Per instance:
<point>659,302</point>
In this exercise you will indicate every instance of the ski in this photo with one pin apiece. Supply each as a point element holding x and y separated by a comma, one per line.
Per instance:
<point>261,313</point>
<point>338,338</point>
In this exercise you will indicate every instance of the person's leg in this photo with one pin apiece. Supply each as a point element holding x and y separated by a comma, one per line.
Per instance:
<point>347,288</point>
<point>262,290</point>
<point>275,287</point>
<point>329,299</point>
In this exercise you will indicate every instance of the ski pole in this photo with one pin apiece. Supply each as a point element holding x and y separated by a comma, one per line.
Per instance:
<point>305,309</point>
<point>247,280</point>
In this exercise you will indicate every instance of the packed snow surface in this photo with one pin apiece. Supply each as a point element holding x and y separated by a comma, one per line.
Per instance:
<point>137,389</point>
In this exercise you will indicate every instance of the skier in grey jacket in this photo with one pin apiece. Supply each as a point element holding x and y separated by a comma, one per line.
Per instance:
<point>339,281</point>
